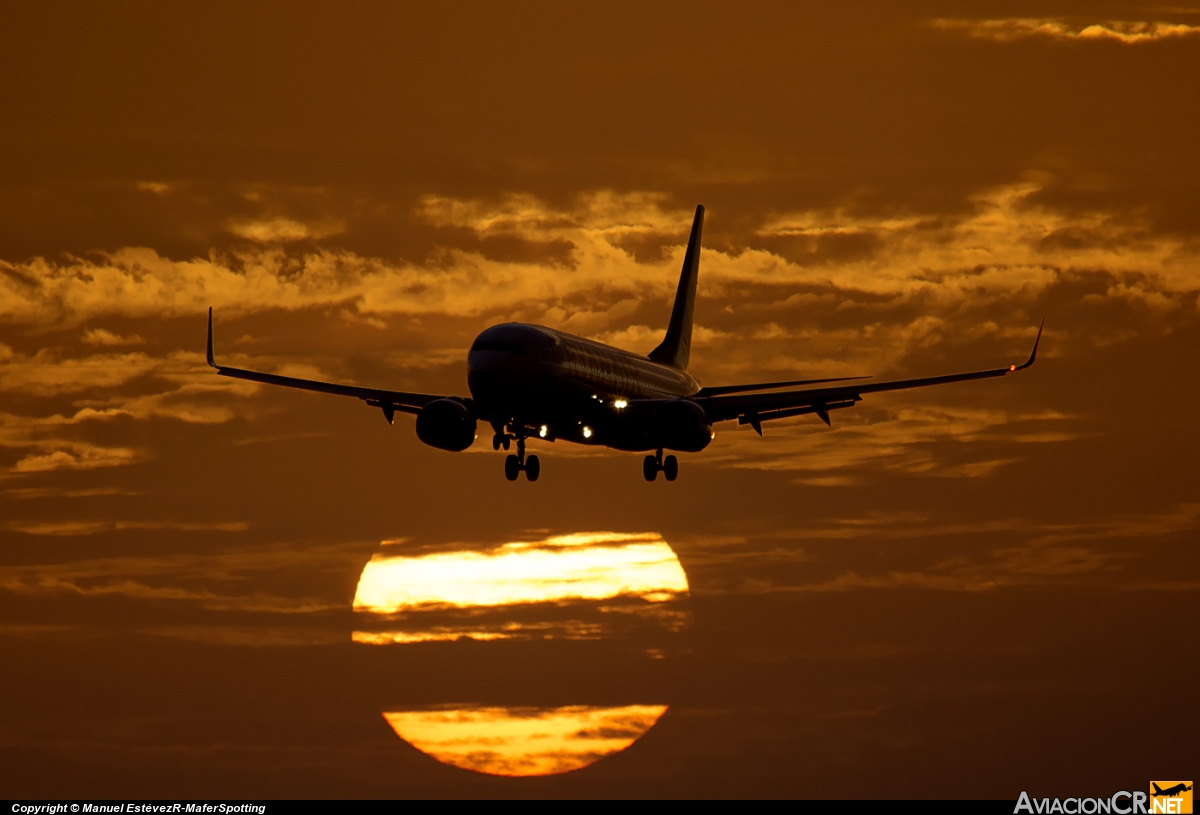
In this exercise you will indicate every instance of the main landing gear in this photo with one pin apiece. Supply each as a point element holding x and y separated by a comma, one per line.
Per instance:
<point>513,465</point>
<point>652,465</point>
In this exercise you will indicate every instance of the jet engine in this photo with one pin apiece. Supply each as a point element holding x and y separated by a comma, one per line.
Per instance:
<point>446,424</point>
<point>682,425</point>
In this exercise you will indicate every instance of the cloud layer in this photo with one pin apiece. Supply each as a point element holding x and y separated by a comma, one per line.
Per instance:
<point>1006,244</point>
<point>1016,28</point>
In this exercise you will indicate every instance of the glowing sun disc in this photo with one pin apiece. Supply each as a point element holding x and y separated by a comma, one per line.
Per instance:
<point>590,566</point>
<point>523,741</point>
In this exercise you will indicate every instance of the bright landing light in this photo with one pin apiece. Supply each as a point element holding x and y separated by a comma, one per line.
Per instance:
<point>620,403</point>
<point>587,432</point>
<point>543,430</point>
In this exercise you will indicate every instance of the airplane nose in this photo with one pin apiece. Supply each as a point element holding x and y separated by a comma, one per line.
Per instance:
<point>502,348</point>
<point>503,344</point>
<point>501,360</point>
<point>486,363</point>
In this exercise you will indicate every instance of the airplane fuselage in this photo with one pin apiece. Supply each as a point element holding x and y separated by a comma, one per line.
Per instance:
<point>570,388</point>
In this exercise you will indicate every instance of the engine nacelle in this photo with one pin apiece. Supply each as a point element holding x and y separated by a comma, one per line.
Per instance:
<point>682,425</point>
<point>446,424</point>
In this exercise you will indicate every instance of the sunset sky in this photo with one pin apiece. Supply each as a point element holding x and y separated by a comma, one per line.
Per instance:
<point>964,591</point>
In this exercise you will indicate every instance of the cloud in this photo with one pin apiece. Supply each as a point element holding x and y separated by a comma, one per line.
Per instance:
<point>221,581</point>
<point>186,397</point>
<point>47,374</point>
<point>75,456</point>
<point>53,442</point>
<point>285,230</point>
<point>252,636</point>
<point>50,445</point>
<point>912,439</point>
<point>189,400</point>
<point>483,632</point>
<point>1005,246</point>
<point>99,336</point>
<point>28,493</point>
<point>1182,518</point>
<point>426,358</point>
<point>73,528</point>
<point>1005,552</point>
<point>1016,28</point>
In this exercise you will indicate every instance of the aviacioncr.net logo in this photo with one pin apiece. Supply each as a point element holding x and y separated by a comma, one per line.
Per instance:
<point>1164,798</point>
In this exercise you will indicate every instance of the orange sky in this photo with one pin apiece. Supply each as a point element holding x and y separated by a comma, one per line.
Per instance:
<point>965,591</point>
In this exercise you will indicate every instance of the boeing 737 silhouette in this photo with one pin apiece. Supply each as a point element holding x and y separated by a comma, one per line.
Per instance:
<point>1170,792</point>
<point>531,381</point>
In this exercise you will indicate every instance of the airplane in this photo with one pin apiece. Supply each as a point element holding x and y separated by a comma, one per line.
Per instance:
<point>1170,792</point>
<point>528,381</point>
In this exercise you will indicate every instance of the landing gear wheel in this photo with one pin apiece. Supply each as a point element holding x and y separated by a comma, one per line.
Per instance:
<point>512,468</point>
<point>497,440</point>
<point>670,468</point>
<point>533,468</point>
<point>650,468</point>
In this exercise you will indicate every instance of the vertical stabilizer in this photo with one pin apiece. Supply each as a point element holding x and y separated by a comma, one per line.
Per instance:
<point>676,347</point>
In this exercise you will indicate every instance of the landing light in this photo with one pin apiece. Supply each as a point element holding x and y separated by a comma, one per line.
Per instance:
<point>543,430</point>
<point>587,432</point>
<point>620,403</point>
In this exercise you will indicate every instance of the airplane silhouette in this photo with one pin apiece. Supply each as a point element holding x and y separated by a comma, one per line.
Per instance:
<point>532,381</point>
<point>1170,792</point>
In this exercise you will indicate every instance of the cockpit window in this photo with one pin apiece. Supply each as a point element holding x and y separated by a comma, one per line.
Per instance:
<point>493,345</point>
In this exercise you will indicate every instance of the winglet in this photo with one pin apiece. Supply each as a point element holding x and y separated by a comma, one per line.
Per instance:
<point>1033,353</point>
<point>211,360</point>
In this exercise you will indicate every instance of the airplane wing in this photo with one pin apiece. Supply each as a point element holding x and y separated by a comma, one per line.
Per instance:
<point>391,402</point>
<point>754,409</point>
<point>765,386</point>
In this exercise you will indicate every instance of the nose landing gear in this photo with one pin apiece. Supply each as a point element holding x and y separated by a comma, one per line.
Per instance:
<point>513,465</point>
<point>653,465</point>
